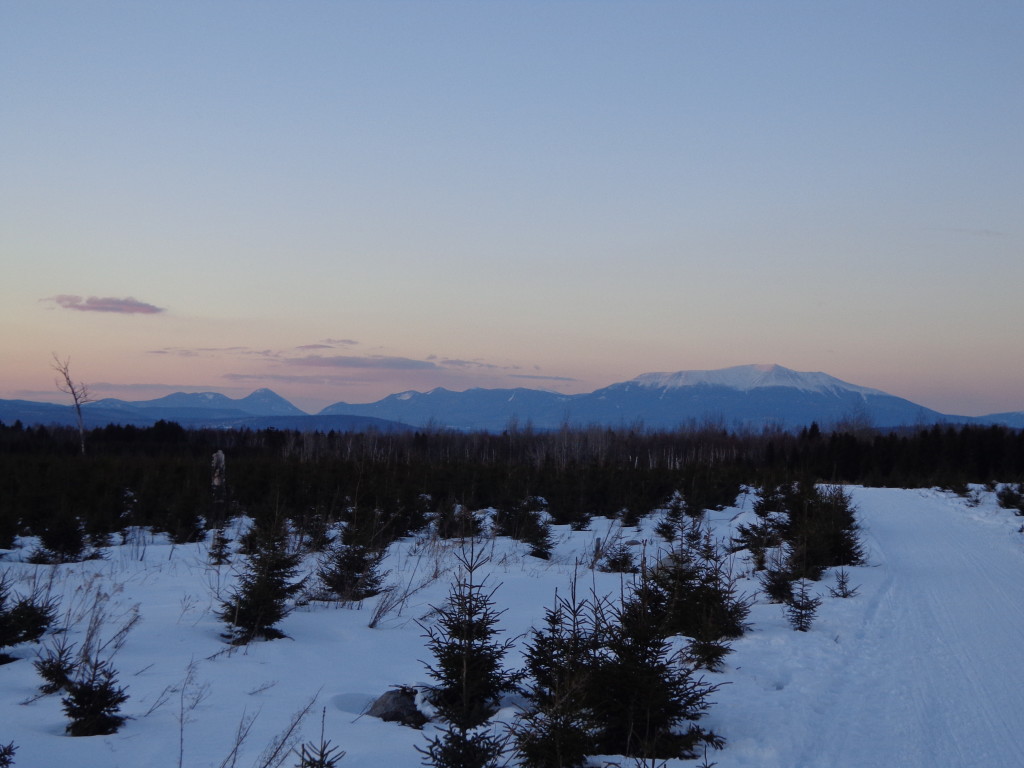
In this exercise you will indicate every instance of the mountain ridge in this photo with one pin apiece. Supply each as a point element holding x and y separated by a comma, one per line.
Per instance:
<point>746,396</point>
<point>738,397</point>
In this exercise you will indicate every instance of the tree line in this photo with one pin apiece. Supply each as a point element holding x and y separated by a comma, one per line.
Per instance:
<point>386,484</point>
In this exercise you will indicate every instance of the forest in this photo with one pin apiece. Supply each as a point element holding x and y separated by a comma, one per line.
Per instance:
<point>386,485</point>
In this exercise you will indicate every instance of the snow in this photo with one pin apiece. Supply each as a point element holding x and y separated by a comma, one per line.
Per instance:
<point>920,669</point>
<point>747,377</point>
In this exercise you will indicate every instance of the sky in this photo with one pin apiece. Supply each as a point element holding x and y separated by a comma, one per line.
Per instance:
<point>343,200</point>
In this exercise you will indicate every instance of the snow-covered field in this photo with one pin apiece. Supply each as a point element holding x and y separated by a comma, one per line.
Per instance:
<point>923,667</point>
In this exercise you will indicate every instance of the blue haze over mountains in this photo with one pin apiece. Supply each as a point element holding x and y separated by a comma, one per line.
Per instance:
<point>750,397</point>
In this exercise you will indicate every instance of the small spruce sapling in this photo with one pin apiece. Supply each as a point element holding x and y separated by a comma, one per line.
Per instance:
<point>776,580</point>
<point>319,754</point>
<point>802,607</point>
<point>647,691</point>
<point>456,521</point>
<point>94,700</point>
<point>260,599</point>
<point>351,572</point>
<point>618,558</point>
<point>557,727</point>
<point>7,754</point>
<point>525,522</point>
<point>24,619</point>
<point>220,548</point>
<point>672,524</point>
<point>842,588</point>
<point>468,671</point>
<point>57,665</point>
<point>468,657</point>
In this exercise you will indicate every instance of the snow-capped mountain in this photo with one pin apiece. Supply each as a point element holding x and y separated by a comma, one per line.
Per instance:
<point>750,396</point>
<point>748,377</point>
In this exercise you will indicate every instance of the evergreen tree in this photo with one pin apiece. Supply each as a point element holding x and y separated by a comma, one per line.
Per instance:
<point>698,596</point>
<point>459,748</point>
<point>524,521</point>
<point>842,589</point>
<point>802,607</point>
<point>62,539</point>
<point>57,665</point>
<point>468,671</point>
<point>456,521</point>
<point>260,599</point>
<point>94,700</point>
<point>23,620</point>
<point>319,754</point>
<point>617,558</point>
<point>351,572</point>
<point>220,548</point>
<point>675,514</point>
<point>647,691</point>
<point>821,530</point>
<point>767,532</point>
<point>557,728</point>
<point>1011,496</point>
<point>776,583</point>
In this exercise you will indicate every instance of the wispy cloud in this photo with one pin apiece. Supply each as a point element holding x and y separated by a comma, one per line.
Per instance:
<point>126,306</point>
<point>214,351</point>
<point>466,364</point>
<point>370,361</point>
<point>315,364</point>
<point>540,378</point>
<point>328,344</point>
<point>282,378</point>
<point>150,387</point>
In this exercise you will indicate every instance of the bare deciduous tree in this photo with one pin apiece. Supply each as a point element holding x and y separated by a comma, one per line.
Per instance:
<point>78,390</point>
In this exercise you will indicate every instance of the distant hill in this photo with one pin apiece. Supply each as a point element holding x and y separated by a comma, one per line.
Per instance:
<point>262,409</point>
<point>1013,419</point>
<point>262,402</point>
<point>484,409</point>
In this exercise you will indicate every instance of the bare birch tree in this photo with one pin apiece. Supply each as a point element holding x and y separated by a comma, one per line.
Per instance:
<point>79,392</point>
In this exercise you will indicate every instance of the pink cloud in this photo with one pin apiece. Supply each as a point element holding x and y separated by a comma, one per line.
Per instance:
<point>371,361</point>
<point>126,306</point>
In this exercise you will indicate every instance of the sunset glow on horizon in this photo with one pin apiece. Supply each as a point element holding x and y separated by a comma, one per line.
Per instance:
<point>340,201</point>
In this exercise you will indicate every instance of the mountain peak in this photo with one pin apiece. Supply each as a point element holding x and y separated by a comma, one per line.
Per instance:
<point>748,377</point>
<point>266,402</point>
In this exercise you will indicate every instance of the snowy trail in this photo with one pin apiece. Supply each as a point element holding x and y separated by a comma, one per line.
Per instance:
<point>933,675</point>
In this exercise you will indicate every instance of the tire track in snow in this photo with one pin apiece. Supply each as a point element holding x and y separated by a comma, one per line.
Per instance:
<point>932,678</point>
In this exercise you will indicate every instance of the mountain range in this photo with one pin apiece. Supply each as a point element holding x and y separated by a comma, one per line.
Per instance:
<point>746,396</point>
<point>262,409</point>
